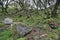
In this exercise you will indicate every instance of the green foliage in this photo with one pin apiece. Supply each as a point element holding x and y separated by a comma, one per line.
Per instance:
<point>53,36</point>
<point>5,35</point>
<point>58,29</point>
<point>22,38</point>
<point>1,24</point>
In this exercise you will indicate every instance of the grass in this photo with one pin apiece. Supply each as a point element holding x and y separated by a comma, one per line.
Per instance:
<point>5,35</point>
<point>22,38</point>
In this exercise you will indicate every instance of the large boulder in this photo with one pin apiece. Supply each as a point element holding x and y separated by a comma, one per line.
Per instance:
<point>22,29</point>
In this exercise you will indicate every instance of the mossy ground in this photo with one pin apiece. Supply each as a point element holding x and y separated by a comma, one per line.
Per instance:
<point>36,20</point>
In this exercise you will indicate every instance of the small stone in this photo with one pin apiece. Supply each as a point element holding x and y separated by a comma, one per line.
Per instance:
<point>8,21</point>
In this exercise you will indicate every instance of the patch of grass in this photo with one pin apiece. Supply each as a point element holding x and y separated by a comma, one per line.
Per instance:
<point>5,35</point>
<point>22,38</point>
<point>53,36</point>
<point>1,24</point>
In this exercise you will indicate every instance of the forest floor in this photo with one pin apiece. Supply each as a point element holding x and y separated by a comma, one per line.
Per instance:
<point>38,23</point>
<point>42,30</point>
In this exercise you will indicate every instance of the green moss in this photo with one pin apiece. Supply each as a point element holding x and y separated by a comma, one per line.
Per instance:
<point>22,38</point>
<point>1,24</point>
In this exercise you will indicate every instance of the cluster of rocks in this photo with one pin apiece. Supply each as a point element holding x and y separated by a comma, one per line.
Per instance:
<point>21,28</point>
